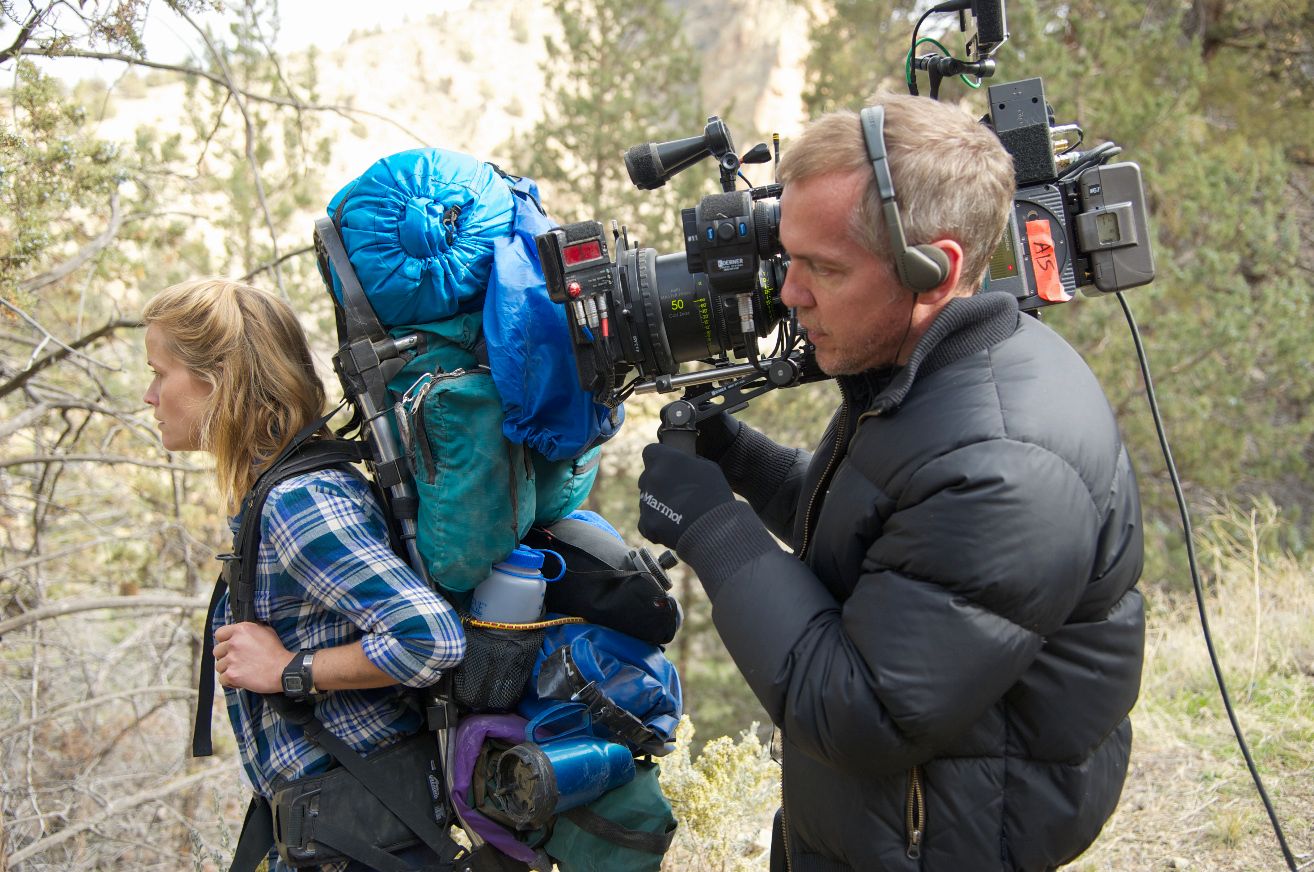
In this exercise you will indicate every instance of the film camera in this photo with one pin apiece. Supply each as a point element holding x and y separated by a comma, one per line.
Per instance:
<point>640,310</point>
<point>1077,223</point>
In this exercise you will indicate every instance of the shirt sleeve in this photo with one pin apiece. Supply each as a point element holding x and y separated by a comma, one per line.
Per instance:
<point>326,531</point>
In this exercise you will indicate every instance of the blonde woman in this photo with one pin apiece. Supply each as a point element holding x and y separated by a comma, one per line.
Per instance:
<point>335,607</point>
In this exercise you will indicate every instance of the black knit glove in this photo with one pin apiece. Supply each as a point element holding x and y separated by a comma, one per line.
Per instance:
<point>675,490</point>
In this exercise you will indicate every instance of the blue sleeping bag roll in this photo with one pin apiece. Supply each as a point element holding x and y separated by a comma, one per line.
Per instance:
<point>419,227</point>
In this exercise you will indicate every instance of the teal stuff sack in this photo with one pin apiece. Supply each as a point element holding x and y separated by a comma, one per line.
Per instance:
<point>628,829</point>
<point>561,486</point>
<point>475,487</point>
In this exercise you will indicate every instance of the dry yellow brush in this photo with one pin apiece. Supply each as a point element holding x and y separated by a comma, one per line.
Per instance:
<point>724,801</point>
<point>1189,803</point>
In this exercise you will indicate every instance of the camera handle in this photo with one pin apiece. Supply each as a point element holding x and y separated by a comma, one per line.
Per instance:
<point>679,426</point>
<point>680,418</point>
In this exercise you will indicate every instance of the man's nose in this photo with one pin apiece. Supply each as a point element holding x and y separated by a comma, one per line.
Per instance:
<point>793,294</point>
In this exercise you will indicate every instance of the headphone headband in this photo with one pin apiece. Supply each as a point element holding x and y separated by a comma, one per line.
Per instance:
<point>921,267</point>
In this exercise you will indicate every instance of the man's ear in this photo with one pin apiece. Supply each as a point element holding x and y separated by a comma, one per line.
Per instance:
<point>953,253</point>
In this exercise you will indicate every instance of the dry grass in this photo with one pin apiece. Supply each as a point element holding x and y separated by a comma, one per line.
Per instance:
<point>1189,802</point>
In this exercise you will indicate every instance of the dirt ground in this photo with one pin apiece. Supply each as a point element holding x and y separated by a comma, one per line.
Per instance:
<point>1183,810</point>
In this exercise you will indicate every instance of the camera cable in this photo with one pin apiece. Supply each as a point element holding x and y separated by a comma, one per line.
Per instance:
<point>909,75</point>
<point>1198,585</point>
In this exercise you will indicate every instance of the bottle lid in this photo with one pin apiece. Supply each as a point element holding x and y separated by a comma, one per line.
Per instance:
<point>523,558</point>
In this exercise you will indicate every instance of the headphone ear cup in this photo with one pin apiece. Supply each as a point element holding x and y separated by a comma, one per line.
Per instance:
<point>922,267</point>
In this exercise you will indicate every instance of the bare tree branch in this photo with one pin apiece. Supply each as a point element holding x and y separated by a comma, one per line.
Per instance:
<point>96,702</point>
<point>25,34</point>
<point>69,607</point>
<point>83,254</point>
<point>64,351</point>
<point>209,137</point>
<point>25,418</point>
<point>45,404</point>
<point>345,111</point>
<point>287,86</point>
<point>250,135</point>
<point>55,555</point>
<point>97,458</point>
<point>284,259</point>
<point>116,808</point>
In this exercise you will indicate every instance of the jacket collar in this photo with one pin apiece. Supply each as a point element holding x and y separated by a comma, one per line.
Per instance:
<point>965,326</point>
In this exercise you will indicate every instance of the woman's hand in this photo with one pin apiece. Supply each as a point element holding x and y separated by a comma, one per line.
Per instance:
<point>250,656</point>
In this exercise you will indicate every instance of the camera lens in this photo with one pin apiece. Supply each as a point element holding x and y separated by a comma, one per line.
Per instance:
<point>675,317</point>
<point>766,225</point>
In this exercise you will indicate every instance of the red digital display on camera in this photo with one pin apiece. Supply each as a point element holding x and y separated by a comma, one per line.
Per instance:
<point>581,252</point>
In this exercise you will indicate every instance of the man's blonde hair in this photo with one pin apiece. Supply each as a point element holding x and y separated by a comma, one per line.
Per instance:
<point>250,348</point>
<point>952,177</point>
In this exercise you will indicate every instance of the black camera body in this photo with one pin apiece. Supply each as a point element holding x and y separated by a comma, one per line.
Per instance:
<point>1076,223</point>
<point>648,312</point>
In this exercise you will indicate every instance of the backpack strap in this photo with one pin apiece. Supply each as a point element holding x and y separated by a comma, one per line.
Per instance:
<point>636,840</point>
<point>256,837</point>
<point>301,455</point>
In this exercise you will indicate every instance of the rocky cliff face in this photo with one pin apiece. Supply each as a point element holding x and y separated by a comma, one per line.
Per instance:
<point>752,53</point>
<point>470,78</point>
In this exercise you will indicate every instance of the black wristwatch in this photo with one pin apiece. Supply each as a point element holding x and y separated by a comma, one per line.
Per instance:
<point>298,681</point>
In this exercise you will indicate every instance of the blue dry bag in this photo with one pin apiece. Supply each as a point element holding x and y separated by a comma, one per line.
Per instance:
<point>419,227</point>
<point>631,691</point>
<point>529,346</point>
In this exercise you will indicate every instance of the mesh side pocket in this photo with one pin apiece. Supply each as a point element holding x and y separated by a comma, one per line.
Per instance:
<point>496,667</point>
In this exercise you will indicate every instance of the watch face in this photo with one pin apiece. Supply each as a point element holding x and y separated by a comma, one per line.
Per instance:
<point>293,684</point>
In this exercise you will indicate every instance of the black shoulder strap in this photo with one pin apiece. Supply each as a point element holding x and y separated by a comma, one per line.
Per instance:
<point>309,457</point>
<point>302,455</point>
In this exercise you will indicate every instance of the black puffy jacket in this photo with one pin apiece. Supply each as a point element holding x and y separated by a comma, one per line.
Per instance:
<point>952,654</point>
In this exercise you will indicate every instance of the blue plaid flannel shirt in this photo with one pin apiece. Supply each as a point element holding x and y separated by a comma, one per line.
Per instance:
<point>326,576</point>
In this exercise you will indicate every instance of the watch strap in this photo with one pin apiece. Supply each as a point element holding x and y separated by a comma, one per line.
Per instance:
<point>298,680</point>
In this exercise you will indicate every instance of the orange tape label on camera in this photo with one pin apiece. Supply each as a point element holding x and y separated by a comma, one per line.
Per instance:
<point>1044,262</point>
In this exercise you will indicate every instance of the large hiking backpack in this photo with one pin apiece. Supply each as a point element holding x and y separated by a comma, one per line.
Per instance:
<point>408,252</point>
<point>475,423</point>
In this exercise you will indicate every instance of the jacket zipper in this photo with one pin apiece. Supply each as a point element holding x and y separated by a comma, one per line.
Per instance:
<point>784,815</point>
<point>841,432</point>
<point>915,808</point>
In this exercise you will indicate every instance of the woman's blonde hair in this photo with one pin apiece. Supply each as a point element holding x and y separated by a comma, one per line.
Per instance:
<point>250,348</point>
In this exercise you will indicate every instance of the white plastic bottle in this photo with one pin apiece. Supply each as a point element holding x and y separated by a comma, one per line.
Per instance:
<point>513,592</point>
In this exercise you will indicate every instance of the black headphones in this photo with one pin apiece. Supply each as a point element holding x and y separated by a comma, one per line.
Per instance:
<point>921,267</point>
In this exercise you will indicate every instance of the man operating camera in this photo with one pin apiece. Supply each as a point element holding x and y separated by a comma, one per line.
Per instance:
<point>952,646</point>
